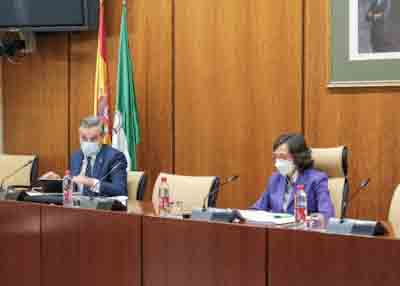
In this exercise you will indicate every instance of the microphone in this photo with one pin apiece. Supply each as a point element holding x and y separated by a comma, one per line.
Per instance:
<point>362,186</point>
<point>346,201</point>
<point>16,171</point>
<point>106,175</point>
<point>228,180</point>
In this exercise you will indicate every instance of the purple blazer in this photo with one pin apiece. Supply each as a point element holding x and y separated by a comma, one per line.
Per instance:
<point>315,185</point>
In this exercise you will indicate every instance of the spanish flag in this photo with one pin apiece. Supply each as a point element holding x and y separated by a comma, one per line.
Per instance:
<point>102,86</point>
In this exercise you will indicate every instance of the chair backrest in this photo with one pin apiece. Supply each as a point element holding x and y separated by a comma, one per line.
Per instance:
<point>333,161</point>
<point>394,212</point>
<point>136,185</point>
<point>10,163</point>
<point>190,190</point>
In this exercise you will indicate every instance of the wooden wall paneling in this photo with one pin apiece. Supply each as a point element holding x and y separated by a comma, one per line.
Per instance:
<point>20,244</point>
<point>36,103</point>
<point>150,30</point>
<point>238,83</point>
<point>364,119</point>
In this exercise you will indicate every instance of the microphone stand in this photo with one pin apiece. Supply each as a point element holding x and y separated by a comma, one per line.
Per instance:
<point>5,192</point>
<point>354,226</point>
<point>205,213</point>
<point>346,201</point>
<point>105,176</point>
<point>217,188</point>
<point>101,203</point>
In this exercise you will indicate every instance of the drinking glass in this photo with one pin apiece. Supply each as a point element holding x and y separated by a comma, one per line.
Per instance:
<point>316,221</point>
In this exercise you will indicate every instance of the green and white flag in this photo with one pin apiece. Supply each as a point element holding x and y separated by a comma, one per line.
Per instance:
<point>126,132</point>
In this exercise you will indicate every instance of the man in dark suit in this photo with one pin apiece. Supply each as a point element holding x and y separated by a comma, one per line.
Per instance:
<point>95,160</point>
<point>377,16</point>
<point>383,16</point>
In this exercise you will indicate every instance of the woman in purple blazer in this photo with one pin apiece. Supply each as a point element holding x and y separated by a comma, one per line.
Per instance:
<point>294,166</point>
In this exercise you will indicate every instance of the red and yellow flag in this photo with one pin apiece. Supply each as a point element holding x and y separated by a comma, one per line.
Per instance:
<point>102,86</point>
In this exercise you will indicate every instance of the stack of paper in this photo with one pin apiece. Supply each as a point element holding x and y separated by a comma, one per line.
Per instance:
<point>255,216</point>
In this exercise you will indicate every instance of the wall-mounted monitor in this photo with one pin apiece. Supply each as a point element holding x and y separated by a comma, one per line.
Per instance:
<point>48,15</point>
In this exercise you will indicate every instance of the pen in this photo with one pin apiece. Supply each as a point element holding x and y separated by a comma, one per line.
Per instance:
<point>281,216</point>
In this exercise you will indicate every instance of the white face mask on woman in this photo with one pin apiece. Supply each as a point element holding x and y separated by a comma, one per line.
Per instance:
<point>285,167</point>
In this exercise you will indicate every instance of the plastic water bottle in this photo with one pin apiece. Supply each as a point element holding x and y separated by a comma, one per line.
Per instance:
<point>163,196</point>
<point>67,190</point>
<point>300,205</point>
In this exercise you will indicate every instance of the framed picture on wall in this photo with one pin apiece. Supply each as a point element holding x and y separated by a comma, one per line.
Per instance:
<point>365,43</point>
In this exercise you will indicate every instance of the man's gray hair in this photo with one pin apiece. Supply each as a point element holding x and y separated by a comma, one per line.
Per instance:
<point>92,121</point>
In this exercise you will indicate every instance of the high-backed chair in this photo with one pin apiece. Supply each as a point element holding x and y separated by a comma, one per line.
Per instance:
<point>136,185</point>
<point>25,177</point>
<point>190,190</point>
<point>394,212</point>
<point>333,161</point>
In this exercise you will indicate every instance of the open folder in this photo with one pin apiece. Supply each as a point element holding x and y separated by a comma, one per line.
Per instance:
<point>263,217</point>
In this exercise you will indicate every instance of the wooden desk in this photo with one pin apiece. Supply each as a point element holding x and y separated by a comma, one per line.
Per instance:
<point>182,252</point>
<point>51,245</point>
<point>388,229</point>
<point>141,208</point>
<point>40,243</point>
<point>311,258</point>
<point>185,252</point>
<point>19,244</point>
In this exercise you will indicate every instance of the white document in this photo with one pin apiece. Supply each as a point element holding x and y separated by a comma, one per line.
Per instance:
<point>122,199</point>
<point>255,216</point>
<point>34,193</point>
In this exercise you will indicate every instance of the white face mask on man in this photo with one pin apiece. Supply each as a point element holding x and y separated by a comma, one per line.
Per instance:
<point>285,167</point>
<point>90,149</point>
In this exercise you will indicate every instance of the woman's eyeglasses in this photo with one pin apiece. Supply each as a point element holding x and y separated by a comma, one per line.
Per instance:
<point>282,156</point>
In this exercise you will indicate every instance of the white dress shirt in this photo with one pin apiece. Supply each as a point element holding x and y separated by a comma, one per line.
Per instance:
<point>96,187</point>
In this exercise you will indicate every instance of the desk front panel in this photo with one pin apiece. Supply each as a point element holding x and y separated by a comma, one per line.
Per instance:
<point>90,247</point>
<point>311,258</point>
<point>184,252</point>
<point>19,244</point>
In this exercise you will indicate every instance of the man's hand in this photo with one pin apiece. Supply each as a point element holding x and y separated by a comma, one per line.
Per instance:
<point>50,176</point>
<point>83,180</point>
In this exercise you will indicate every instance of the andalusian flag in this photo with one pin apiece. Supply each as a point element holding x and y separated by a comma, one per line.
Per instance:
<point>126,133</point>
<point>102,87</point>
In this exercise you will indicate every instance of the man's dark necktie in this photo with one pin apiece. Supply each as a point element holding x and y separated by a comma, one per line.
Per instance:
<point>88,173</point>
